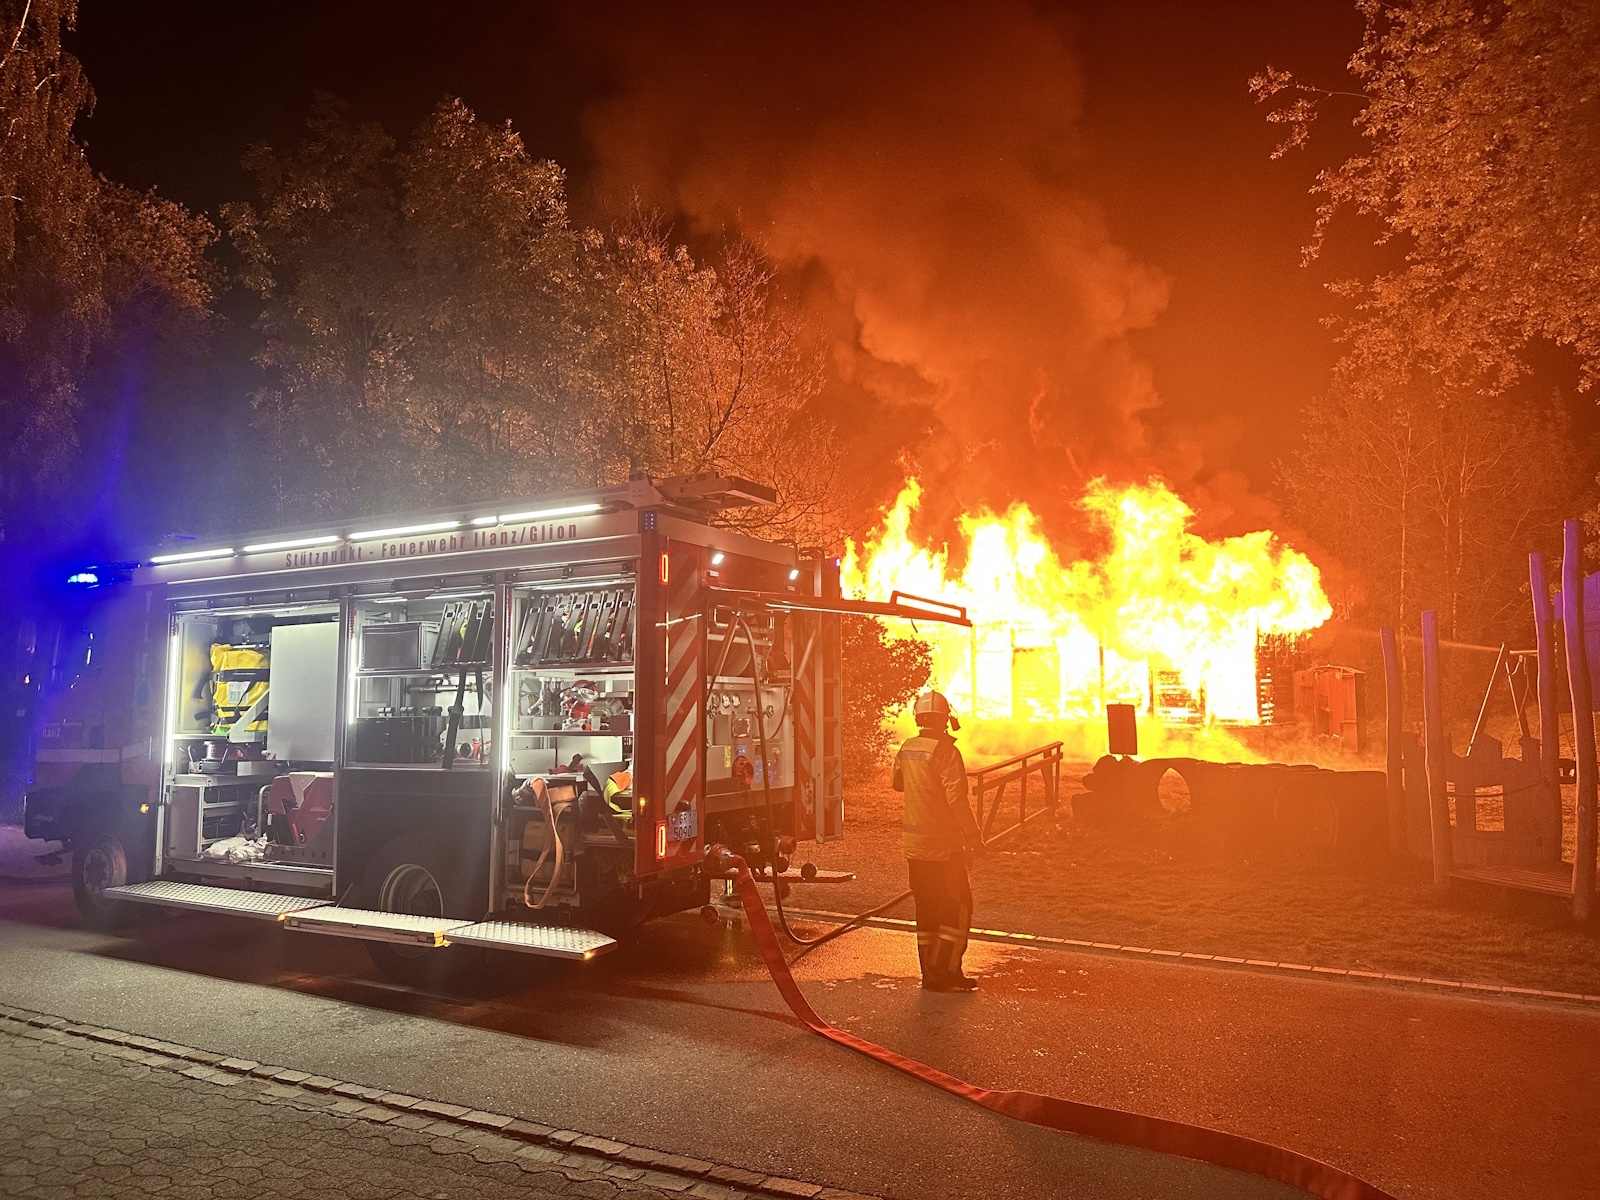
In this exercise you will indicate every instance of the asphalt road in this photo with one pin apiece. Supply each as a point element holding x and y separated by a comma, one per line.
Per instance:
<point>679,1042</point>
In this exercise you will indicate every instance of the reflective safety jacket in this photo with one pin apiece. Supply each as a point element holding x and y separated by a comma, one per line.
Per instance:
<point>938,819</point>
<point>239,677</point>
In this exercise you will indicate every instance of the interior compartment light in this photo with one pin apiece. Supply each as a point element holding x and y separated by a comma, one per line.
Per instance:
<point>353,691</point>
<point>292,544</point>
<point>174,676</point>
<point>569,510</point>
<point>405,530</point>
<point>192,555</point>
<point>716,558</point>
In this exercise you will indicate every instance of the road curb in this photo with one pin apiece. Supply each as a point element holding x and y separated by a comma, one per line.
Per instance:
<point>1299,970</point>
<point>566,1147</point>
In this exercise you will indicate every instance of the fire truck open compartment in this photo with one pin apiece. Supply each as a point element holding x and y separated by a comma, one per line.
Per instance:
<point>413,731</point>
<point>250,698</point>
<point>482,728</point>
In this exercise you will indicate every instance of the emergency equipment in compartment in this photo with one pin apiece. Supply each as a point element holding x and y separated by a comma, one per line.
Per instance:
<point>515,728</point>
<point>298,808</point>
<point>237,688</point>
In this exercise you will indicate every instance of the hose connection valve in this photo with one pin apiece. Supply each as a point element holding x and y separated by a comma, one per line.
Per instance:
<point>722,863</point>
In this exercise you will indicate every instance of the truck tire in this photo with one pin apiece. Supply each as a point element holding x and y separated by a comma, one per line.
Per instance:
<point>100,862</point>
<point>409,874</point>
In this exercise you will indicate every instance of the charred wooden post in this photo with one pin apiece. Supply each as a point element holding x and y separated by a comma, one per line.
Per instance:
<point>1438,753</point>
<point>1582,719</point>
<point>1549,717</point>
<point>1393,698</point>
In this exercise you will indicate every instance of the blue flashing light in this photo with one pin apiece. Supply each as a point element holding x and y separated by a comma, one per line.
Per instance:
<point>84,579</point>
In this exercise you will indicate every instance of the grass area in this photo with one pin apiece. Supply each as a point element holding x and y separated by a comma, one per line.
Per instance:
<point>1156,887</point>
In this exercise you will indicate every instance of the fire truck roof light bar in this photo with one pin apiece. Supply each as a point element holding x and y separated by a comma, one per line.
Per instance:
<point>292,544</point>
<point>538,514</point>
<point>640,492</point>
<point>192,555</point>
<point>405,530</point>
<point>566,510</point>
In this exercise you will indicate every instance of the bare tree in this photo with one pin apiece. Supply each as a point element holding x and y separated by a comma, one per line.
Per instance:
<point>435,329</point>
<point>75,251</point>
<point>729,370</point>
<point>1432,493</point>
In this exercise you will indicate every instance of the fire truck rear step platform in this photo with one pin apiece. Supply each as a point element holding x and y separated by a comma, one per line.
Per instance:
<point>552,940</point>
<point>168,893</point>
<point>312,915</point>
<point>372,926</point>
<point>409,930</point>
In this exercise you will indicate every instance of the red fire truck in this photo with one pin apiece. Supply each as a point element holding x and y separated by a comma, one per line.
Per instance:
<point>513,727</point>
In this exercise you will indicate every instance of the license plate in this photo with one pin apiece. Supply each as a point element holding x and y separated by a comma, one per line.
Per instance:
<point>682,826</point>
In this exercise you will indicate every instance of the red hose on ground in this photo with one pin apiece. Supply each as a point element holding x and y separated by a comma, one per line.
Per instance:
<point>1069,1116</point>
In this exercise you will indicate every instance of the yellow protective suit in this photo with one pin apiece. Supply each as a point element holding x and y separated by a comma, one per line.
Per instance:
<point>239,677</point>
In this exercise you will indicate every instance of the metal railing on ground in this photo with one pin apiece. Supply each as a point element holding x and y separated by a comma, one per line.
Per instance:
<point>1045,762</point>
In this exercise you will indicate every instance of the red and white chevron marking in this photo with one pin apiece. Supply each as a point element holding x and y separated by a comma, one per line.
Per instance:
<point>805,739</point>
<point>684,711</point>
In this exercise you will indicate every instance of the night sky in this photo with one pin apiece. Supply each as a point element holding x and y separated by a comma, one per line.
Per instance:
<point>810,125</point>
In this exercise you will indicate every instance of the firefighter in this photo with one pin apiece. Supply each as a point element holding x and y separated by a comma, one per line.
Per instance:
<point>938,836</point>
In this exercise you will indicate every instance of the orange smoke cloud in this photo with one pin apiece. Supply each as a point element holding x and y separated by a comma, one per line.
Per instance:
<point>910,168</point>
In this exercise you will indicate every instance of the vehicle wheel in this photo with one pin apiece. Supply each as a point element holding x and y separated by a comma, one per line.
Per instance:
<point>98,864</point>
<point>408,875</point>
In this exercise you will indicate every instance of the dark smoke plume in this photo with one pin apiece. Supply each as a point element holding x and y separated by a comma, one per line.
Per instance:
<point>910,168</point>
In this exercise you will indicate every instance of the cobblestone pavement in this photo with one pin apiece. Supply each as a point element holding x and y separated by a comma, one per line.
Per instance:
<point>82,1121</point>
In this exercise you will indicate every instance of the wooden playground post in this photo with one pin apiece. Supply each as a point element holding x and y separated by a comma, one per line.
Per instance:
<point>1583,850</point>
<point>1544,633</point>
<point>1438,754</point>
<point>1549,718</point>
<point>1393,724</point>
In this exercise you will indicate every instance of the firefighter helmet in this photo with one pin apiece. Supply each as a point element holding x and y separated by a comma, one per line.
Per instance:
<point>932,709</point>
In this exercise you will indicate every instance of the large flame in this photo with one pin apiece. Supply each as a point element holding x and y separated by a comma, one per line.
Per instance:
<point>1165,620</point>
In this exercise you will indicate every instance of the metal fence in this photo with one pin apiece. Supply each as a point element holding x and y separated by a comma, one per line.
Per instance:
<point>1044,762</point>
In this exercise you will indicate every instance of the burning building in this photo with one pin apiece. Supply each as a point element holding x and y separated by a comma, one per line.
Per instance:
<point>1164,619</point>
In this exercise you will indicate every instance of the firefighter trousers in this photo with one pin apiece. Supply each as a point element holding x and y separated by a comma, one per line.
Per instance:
<point>943,898</point>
